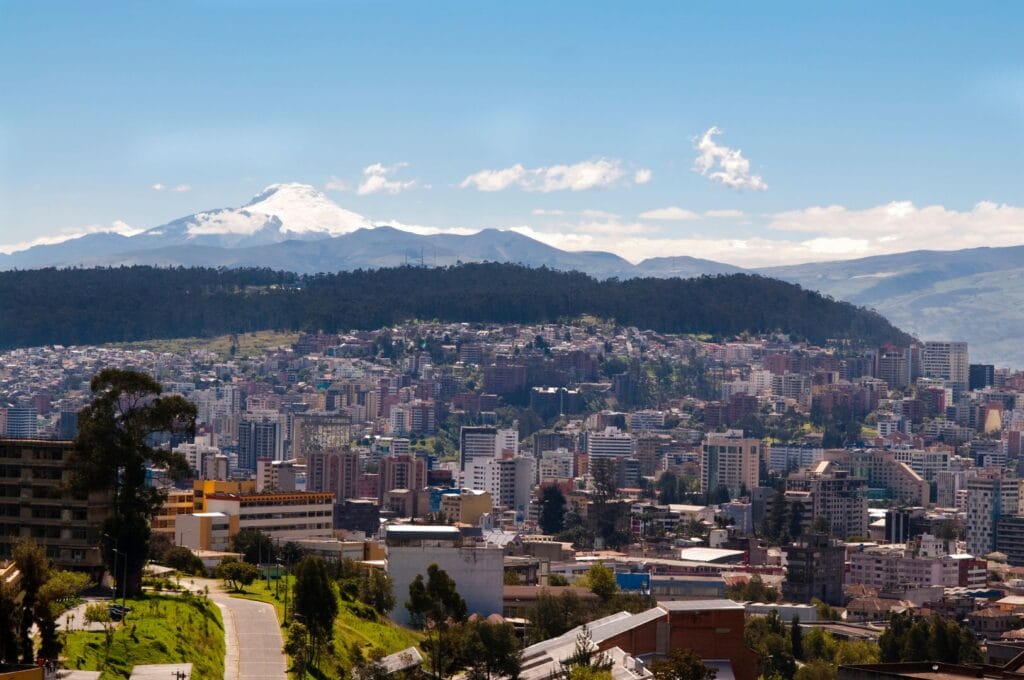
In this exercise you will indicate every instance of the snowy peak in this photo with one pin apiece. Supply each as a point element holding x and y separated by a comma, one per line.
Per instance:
<point>302,209</point>
<point>280,212</point>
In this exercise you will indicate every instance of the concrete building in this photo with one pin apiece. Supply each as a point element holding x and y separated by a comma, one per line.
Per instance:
<point>730,460</point>
<point>947,361</point>
<point>508,480</point>
<point>609,443</point>
<point>279,475</point>
<point>201,488</point>
<point>401,472</point>
<point>477,568</point>
<point>814,568</point>
<point>990,497</point>
<point>333,471</point>
<point>21,422</point>
<point>280,515</point>
<point>785,459</point>
<point>883,472</point>
<point>176,502</point>
<point>259,436</point>
<point>206,530</point>
<point>896,569</point>
<point>835,495</point>
<point>35,504</point>
<point>320,431</point>
<point>466,506</point>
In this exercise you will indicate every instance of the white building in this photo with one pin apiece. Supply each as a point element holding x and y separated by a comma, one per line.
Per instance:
<point>610,443</point>
<point>477,568</point>
<point>989,498</point>
<point>509,480</point>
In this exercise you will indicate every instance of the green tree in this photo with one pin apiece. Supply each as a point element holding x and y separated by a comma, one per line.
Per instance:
<point>316,603</point>
<point>601,581</point>
<point>256,547</point>
<point>236,574</point>
<point>376,590</point>
<point>184,560</point>
<point>10,641</point>
<point>492,650</point>
<point>100,613</point>
<point>816,670</point>
<point>553,615</point>
<point>586,658</point>
<point>436,605</point>
<point>796,637</point>
<point>768,637</point>
<point>682,664</point>
<point>436,599</point>
<point>298,646</point>
<point>552,510</point>
<point>32,563</point>
<point>112,453</point>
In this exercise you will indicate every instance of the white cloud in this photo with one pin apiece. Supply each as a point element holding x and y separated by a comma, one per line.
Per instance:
<point>157,186</point>
<point>376,178</point>
<point>642,176</point>
<point>576,177</point>
<point>546,212</point>
<point>336,184</point>
<point>182,188</point>
<point>427,231</point>
<point>672,213</point>
<point>724,165</point>
<point>115,227</point>
<point>725,214</point>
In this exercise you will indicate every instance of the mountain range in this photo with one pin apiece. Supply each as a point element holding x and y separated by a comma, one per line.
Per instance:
<point>975,294</point>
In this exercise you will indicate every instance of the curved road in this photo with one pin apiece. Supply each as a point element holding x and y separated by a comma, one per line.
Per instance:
<point>252,636</point>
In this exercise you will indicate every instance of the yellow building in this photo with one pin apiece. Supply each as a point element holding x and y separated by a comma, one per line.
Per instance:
<point>204,487</point>
<point>465,507</point>
<point>177,502</point>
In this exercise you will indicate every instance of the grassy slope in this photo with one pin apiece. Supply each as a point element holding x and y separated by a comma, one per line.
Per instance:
<point>167,629</point>
<point>349,627</point>
<point>249,344</point>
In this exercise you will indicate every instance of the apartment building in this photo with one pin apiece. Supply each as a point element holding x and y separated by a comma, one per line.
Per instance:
<point>35,503</point>
<point>731,460</point>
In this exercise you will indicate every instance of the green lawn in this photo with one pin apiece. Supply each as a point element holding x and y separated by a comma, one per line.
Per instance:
<point>356,623</point>
<point>160,629</point>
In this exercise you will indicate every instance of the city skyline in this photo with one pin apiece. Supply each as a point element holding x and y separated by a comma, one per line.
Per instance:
<point>746,135</point>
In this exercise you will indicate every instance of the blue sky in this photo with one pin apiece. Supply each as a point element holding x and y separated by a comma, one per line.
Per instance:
<point>860,128</point>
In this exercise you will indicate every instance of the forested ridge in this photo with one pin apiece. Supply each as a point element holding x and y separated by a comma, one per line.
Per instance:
<point>93,306</point>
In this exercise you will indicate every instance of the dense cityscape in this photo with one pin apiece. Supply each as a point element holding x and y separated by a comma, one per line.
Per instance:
<point>571,480</point>
<point>537,340</point>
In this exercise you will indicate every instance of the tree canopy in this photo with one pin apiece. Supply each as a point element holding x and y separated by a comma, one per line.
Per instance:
<point>112,452</point>
<point>155,302</point>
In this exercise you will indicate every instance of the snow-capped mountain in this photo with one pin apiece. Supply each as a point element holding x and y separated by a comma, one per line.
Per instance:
<point>281,212</point>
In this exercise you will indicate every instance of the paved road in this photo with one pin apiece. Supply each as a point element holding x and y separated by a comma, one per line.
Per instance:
<point>252,636</point>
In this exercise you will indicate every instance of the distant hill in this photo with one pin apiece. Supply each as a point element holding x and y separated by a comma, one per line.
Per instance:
<point>92,306</point>
<point>972,295</point>
<point>975,294</point>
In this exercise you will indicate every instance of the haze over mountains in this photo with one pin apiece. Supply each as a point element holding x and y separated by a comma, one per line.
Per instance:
<point>976,294</point>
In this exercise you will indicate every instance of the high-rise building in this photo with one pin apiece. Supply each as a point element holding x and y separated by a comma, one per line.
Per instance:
<point>814,569</point>
<point>893,366</point>
<point>609,443</point>
<point>401,472</point>
<point>334,471</point>
<point>981,376</point>
<point>21,422</point>
<point>730,460</point>
<point>508,480</point>
<point>948,361</point>
<point>835,495</point>
<point>259,437</point>
<point>320,431</point>
<point>486,442</point>
<point>991,496</point>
